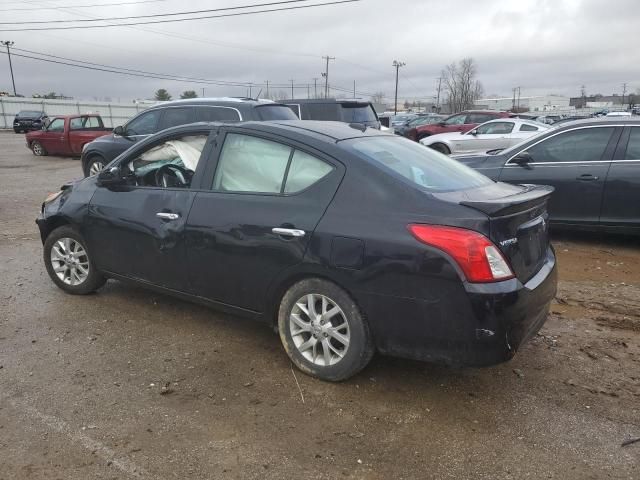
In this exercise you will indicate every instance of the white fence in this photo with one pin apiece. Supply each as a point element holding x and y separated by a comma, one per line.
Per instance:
<point>113,114</point>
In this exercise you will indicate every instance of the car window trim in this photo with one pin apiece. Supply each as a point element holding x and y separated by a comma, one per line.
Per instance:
<point>613,136</point>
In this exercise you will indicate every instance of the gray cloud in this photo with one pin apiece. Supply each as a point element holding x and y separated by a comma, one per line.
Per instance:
<point>544,46</point>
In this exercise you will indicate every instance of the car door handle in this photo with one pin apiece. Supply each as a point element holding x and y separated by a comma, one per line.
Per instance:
<point>167,216</point>
<point>288,232</point>
<point>587,178</point>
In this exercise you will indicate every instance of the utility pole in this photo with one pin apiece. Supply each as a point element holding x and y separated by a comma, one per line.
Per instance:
<point>513,102</point>
<point>308,91</point>
<point>326,75</point>
<point>518,100</point>
<point>291,88</point>
<point>354,89</point>
<point>315,87</point>
<point>624,89</point>
<point>203,91</point>
<point>397,66</point>
<point>8,44</point>
<point>267,81</point>
<point>250,90</point>
<point>438,98</point>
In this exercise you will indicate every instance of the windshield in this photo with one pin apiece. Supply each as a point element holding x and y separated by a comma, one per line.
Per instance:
<point>275,112</point>
<point>358,113</point>
<point>29,113</point>
<point>424,167</point>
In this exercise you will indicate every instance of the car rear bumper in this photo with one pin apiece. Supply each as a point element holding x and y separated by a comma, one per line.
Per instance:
<point>471,325</point>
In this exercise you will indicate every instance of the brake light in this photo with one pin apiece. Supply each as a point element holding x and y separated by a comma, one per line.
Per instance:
<point>475,254</point>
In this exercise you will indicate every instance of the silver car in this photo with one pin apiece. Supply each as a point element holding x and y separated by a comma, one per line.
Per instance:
<point>492,135</point>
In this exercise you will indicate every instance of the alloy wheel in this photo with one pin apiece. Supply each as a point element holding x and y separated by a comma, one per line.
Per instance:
<point>319,330</point>
<point>70,261</point>
<point>96,167</point>
<point>37,149</point>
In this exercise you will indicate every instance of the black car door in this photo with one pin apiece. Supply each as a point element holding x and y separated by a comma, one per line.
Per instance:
<point>621,201</point>
<point>576,163</point>
<point>265,198</point>
<point>137,229</point>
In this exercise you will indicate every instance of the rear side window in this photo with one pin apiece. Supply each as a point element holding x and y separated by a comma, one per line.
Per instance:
<point>172,117</point>
<point>144,124</point>
<point>252,164</point>
<point>420,166</point>
<point>525,127</point>
<point>322,111</point>
<point>633,147</point>
<point>358,113</point>
<point>217,114</point>
<point>585,145</point>
<point>275,112</point>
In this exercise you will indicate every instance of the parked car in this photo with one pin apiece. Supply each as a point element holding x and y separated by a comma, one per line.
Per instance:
<point>409,130</point>
<point>28,120</point>
<point>402,119</point>
<point>178,112</point>
<point>427,259</point>
<point>336,110</point>
<point>618,114</point>
<point>66,135</point>
<point>460,122</point>
<point>594,166</point>
<point>491,135</point>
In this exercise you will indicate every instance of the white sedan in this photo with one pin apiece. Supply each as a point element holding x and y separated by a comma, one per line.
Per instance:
<point>495,134</point>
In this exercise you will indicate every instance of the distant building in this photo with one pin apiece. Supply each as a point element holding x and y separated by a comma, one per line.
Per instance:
<point>541,103</point>
<point>601,101</point>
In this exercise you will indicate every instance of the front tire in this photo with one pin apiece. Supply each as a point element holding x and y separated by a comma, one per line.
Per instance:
<point>37,149</point>
<point>323,330</point>
<point>441,147</point>
<point>68,262</point>
<point>95,165</point>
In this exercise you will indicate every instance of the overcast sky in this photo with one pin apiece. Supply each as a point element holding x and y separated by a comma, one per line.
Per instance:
<point>544,46</point>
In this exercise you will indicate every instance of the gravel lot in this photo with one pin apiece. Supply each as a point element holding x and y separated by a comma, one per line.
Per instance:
<point>81,380</point>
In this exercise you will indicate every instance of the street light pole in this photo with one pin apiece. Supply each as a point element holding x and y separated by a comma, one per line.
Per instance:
<point>291,88</point>
<point>397,64</point>
<point>326,75</point>
<point>8,44</point>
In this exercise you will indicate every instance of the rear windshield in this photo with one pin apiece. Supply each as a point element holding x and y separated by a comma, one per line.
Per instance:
<point>29,113</point>
<point>419,165</point>
<point>275,112</point>
<point>357,113</point>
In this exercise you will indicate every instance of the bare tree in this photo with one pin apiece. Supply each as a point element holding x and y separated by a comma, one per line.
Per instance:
<point>377,97</point>
<point>461,85</point>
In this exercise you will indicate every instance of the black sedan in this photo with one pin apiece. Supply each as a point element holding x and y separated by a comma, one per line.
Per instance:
<point>346,241</point>
<point>594,166</point>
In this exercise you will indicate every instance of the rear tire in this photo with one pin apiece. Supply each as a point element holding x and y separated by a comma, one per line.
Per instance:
<point>323,331</point>
<point>69,263</point>
<point>441,147</point>
<point>37,149</point>
<point>15,130</point>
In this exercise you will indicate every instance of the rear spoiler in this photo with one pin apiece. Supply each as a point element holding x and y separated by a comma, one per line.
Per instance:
<point>533,196</point>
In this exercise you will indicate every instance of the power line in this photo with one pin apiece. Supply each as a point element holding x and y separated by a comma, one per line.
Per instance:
<point>155,15</point>
<point>97,5</point>
<point>299,7</point>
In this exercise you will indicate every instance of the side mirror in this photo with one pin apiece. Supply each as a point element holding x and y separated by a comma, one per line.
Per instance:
<point>119,130</point>
<point>46,123</point>
<point>523,159</point>
<point>474,132</point>
<point>110,177</point>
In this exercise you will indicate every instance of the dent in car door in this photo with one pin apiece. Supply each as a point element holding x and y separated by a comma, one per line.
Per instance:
<point>621,200</point>
<point>237,242</point>
<point>575,162</point>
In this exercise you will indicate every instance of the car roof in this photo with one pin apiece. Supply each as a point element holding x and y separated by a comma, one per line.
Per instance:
<point>327,100</point>
<point>76,115</point>
<point>331,131</point>
<point>588,122</point>
<point>215,101</point>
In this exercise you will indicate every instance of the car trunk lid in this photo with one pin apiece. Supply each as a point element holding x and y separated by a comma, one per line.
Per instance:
<point>518,222</point>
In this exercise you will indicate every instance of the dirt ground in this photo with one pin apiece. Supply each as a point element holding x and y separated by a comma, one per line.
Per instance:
<point>81,380</point>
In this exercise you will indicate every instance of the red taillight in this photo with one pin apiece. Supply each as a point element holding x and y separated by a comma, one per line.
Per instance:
<point>477,256</point>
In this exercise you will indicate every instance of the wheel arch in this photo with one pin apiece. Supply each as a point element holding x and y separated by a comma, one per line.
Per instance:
<point>88,157</point>
<point>50,224</point>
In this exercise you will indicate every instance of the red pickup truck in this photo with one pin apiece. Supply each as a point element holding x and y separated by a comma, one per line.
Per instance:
<point>66,135</point>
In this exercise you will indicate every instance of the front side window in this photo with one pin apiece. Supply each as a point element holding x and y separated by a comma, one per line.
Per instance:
<point>495,128</point>
<point>423,167</point>
<point>57,125</point>
<point>585,145</point>
<point>174,117</point>
<point>456,120</point>
<point>633,147</point>
<point>170,164</point>
<point>144,124</point>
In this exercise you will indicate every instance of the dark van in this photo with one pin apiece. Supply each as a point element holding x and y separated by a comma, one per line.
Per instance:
<point>335,110</point>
